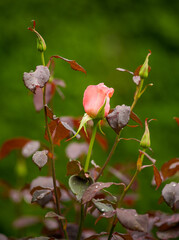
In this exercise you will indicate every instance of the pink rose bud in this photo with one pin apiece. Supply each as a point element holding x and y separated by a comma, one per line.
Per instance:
<point>95,97</point>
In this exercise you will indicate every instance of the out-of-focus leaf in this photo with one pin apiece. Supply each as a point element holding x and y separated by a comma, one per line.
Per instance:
<point>40,194</point>
<point>131,220</point>
<point>177,120</point>
<point>74,65</point>
<point>38,96</point>
<point>102,141</point>
<point>117,173</point>
<point>121,236</point>
<point>102,207</point>
<point>42,238</point>
<point>170,194</point>
<point>94,188</point>
<point>42,183</point>
<point>3,237</point>
<point>96,236</point>
<point>12,144</point>
<point>53,215</point>
<point>124,70</point>
<point>25,221</point>
<point>135,118</point>
<point>29,148</point>
<point>157,177</point>
<point>75,150</point>
<point>166,221</point>
<point>38,78</point>
<point>135,235</point>
<point>40,158</point>
<point>170,168</point>
<point>172,233</point>
<point>79,185</point>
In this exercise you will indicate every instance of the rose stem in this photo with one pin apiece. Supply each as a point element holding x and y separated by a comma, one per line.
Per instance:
<point>91,145</point>
<point>82,216</point>
<point>109,156</point>
<point>119,203</point>
<point>52,158</point>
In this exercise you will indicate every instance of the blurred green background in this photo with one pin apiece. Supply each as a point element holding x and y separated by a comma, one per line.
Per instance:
<point>100,36</point>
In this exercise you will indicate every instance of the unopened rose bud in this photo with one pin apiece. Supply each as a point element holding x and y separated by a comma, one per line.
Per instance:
<point>145,141</point>
<point>96,100</point>
<point>41,45</point>
<point>119,118</point>
<point>144,70</point>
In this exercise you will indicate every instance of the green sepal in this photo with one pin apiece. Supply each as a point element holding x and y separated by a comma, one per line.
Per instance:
<point>99,124</point>
<point>101,111</point>
<point>83,122</point>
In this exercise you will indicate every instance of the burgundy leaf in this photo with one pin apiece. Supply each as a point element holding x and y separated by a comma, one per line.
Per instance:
<point>73,167</point>
<point>132,221</point>
<point>120,236</point>
<point>49,113</point>
<point>94,188</point>
<point>170,168</point>
<point>74,65</point>
<point>12,144</point>
<point>119,117</point>
<point>58,131</point>
<point>157,177</point>
<point>40,158</point>
<point>170,194</point>
<point>30,148</point>
<point>36,79</point>
<point>135,118</point>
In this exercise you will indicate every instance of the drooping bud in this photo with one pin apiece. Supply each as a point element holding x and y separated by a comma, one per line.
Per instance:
<point>41,45</point>
<point>144,70</point>
<point>145,141</point>
<point>119,117</point>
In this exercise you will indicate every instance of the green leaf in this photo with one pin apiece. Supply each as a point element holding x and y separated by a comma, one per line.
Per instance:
<point>78,185</point>
<point>103,207</point>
